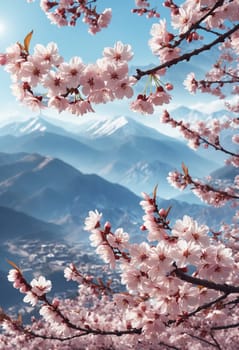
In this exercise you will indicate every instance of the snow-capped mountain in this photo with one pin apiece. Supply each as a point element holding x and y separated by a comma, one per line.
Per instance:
<point>37,124</point>
<point>119,149</point>
<point>119,127</point>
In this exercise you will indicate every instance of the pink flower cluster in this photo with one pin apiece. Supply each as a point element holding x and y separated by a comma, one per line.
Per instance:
<point>143,7</point>
<point>67,12</point>
<point>170,280</point>
<point>180,285</point>
<point>72,86</point>
<point>34,291</point>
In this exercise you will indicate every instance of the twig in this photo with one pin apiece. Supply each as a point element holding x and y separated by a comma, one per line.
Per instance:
<point>225,288</point>
<point>187,56</point>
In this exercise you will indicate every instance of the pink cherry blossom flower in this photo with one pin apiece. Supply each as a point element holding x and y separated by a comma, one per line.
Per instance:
<point>160,261</point>
<point>32,72</point>
<point>16,277</point>
<point>190,83</point>
<point>93,220</point>
<point>142,3</point>
<point>187,253</point>
<point>113,74</point>
<point>33,102</point>
<point>160,37</point>
<point>56,18</point>
<point>106,253</point>
<point>132,278</point>
<point>142,105</point>
<point>91,79</point>
<point>96,237</point>
<point>119,239</point>
<point>58,102</point>
<point>190,230</point>
<point>103,95</point>
<point>104,18</point>
<point>123,89</point>
<point>159,97</point>
<point>40,286</point>
<point>72,71</point>
<point>147,203</point>
<point>119,53</point>
<point>140,253</point>
<point>70,274</point>
<point>31,298</point>
<point>3,59</point>
<point>47,55</point>
<point>80,107</point>
<point>185,17</point>
<point>54,82</point>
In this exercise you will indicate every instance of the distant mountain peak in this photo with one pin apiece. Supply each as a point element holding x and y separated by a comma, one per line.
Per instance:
<point>108,126</point>
<point>32,125</point>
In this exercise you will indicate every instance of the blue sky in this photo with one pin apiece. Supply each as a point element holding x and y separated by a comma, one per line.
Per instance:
<point>17,18</point>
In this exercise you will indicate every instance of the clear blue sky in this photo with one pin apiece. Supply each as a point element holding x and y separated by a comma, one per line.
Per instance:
<point>17,18</point>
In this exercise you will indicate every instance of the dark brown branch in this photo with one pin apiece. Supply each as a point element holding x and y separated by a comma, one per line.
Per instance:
<point>84,333</point>
<point>234,301</point>
<point>197,25</point>
<point>209,30</point>
<point>199,308</point>
<point>84,330</point>
<point>209,188</point>
<point>216,342</point>
<point>225,288</point>
<point>218,328</point>
<point>169,346</point>
<point>202,340</point>
<point>187,56</point>
<point>207,305</point>
<point>217,147</point>
<point>220,82</point>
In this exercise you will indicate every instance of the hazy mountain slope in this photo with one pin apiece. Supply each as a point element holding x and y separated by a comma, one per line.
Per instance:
<point>66,148</point>
<point>16,224</point>
<point>119,149</point>
<point>225,173</point>
<point>55,191</point>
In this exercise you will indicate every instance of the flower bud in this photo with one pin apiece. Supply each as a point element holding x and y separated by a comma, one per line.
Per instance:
<point>107,227</point>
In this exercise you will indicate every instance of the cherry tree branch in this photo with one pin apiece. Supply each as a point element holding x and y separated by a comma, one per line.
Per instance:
<point>216,342</point>
<point>197,25</point>
<point>208,305</point>
<point>187,56</point>
<point>218,328</point>
<point>225,288</point>
<point>208,188</point>
<point>169,346</point>
<point>202,340</point>
<point>198,309</point>
<point>217,145</point>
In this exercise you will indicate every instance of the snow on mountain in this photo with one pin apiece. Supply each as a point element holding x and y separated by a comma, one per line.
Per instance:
<point>108,127</point>
<point>33,125</point>
<point>44,163</point>
<point>118,127</point>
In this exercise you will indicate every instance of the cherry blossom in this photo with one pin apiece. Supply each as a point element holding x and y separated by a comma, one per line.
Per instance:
<point>40,286</point>
<point>179,285</point>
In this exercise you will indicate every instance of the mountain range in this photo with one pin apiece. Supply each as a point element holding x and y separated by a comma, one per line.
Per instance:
<point>119,149</point>
<point>52,175</point>
<point>51,190</point>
